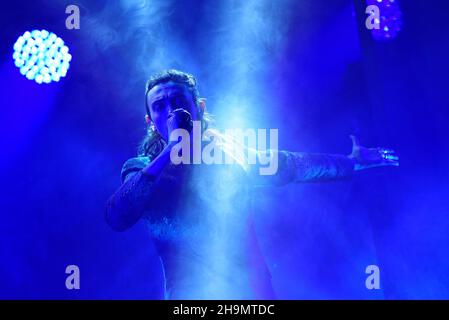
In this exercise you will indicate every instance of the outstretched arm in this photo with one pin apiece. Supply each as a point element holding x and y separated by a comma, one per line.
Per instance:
<point>310,167</point>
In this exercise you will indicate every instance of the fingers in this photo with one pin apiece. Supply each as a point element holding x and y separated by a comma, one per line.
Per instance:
<point>180,119</point>
<point>180,114</point>
<point>388,154</point>
<point>355,140</point>
<point>178,111</point>
<point>393,163</point>
<point>390,157</point>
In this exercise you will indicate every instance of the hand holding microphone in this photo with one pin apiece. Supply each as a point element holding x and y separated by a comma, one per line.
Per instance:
<point>179,119</point>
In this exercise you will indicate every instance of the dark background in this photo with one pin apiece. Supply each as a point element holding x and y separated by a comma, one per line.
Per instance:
<point>309,68</point>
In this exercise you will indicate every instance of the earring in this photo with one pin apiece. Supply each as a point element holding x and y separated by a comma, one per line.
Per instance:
<point>151,127</point>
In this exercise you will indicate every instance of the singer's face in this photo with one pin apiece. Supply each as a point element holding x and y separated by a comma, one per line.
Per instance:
<point>166,97</point>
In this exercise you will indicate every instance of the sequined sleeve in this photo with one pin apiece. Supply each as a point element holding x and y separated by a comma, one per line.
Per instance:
<point>307,167</point>
<point>127,204</point>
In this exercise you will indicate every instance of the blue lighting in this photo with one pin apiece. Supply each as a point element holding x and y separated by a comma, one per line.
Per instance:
<point>41,56</point>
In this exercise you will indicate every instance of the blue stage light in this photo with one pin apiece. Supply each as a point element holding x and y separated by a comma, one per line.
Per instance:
<point>41,56</point>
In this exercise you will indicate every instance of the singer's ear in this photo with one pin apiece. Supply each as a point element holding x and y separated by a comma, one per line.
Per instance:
<point>147,119</point>
<point>202,105</point>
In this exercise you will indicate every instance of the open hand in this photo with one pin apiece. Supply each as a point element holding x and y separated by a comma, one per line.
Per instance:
<point>371,157</point>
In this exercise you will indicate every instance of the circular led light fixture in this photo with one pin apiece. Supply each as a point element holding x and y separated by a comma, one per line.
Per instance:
<point>41,56</point>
